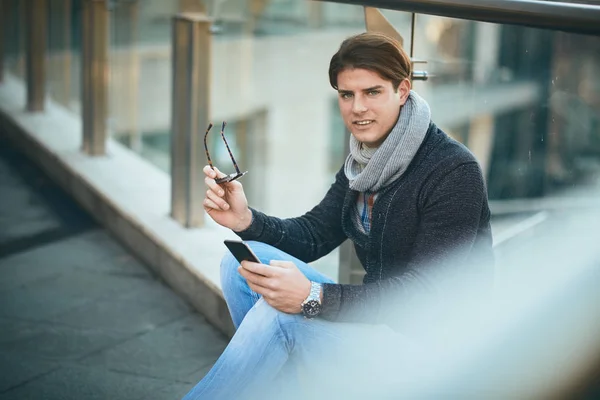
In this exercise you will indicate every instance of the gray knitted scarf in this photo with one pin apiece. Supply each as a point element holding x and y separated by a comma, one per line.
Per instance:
<point>369,170</point>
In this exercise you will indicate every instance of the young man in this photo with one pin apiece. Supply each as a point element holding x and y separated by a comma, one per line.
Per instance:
<point>412,200</point>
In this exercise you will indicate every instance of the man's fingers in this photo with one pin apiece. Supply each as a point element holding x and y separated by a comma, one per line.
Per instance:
<point>254,279</point>
<point>264,292</point>
<point>209,205</point>
<point>214,186</point>
<point>217,200</point>
<point>260,269</point>
<point>209,172</point>
<point>282,264</point>
<point>212,173</point>
<point>209,180</point>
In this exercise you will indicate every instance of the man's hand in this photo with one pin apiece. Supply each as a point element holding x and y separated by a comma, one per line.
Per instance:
<point>226,203</point>
<point>281,284</point>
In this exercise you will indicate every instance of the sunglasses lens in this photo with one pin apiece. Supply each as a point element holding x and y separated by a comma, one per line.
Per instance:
<point>230,177</point>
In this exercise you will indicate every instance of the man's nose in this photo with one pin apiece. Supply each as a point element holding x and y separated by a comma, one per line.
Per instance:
<point>358,106</point>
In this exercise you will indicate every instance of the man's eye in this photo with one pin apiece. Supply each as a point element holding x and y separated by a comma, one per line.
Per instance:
<point>346,95</point>
<point>373,92</point>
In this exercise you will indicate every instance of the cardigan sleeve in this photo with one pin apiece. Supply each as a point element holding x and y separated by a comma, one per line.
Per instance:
<point>310,236</point>
<point>451,209</point>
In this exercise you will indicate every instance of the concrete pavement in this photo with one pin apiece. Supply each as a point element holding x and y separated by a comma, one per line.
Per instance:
<point>80,318</point>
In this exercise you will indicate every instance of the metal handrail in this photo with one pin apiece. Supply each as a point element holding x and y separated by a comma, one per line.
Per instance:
<point>559,16</point>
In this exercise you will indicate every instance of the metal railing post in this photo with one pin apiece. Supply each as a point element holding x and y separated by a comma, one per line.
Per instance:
<point>94,73</point>
<point>190,115</point>
<point>35,64</point>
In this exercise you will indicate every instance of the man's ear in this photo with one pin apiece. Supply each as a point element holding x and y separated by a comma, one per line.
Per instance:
<point>404,90</point>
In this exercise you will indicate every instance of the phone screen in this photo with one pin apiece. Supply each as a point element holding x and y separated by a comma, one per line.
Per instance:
<point>241,251</point>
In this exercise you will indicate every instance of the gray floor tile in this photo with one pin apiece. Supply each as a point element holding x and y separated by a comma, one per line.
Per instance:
<point>117,264</point>
<point>22,213</point>
<point>37,303</point>
<point>134,316</point>
<point>57,258</point>
<point>15,370</point>
<point>174,351</point>
<point>19,227</point>
<point>62,344</point>
<point>7,175</point>
<point>94,246</point>
<point>149,291</point>
<point>24,268</point>
<point>19,200</point>
<point>81,250</point>
<point>45,299</point>
<point>55,253</point>
<point>14,331</point>
<point>198,375</point>
<point>77,383</point>
<point>95,285</point>
<point>174,391</point>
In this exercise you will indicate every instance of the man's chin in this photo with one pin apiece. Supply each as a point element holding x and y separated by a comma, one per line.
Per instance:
<point>367,138</point>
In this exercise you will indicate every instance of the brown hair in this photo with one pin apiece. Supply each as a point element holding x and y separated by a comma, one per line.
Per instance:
<point>372,51</point>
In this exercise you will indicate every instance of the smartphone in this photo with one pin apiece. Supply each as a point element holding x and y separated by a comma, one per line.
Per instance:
<point>241,251</point>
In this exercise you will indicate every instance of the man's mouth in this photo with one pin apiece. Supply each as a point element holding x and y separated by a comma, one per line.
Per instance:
<point>363,122</point>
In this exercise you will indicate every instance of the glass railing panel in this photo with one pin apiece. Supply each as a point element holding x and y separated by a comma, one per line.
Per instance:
<point>270,83</point>
<point>63,61</point>
<point>282,17</point>
<point>140,77</point>
<point>14,37</point>
<point>524,100</point>
<point>458,72</point>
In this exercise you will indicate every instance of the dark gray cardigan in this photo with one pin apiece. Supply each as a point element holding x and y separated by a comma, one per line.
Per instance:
<point>433,218</point>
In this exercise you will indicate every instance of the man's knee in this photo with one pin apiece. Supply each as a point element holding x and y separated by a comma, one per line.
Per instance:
<point>264,313</point>
<point>228,261</point>
<point>229,270</point>
<point>289,325</point>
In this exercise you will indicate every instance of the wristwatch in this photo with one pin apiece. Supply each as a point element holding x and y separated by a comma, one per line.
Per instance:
<point>311,307</point>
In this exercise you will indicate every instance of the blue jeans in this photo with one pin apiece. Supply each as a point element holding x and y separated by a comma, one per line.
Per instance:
<point>268,345</point>
<point>264,336</point>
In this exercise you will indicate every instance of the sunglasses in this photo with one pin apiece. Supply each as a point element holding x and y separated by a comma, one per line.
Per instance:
<point>231,177</point>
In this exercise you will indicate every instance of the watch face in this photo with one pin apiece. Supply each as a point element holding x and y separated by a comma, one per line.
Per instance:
<point>311,308</point>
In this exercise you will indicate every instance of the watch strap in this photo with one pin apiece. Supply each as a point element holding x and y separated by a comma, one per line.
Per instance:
<point>315,292</point>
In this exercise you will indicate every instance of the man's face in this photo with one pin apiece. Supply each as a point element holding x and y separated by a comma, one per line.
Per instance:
<point>369,104</point>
